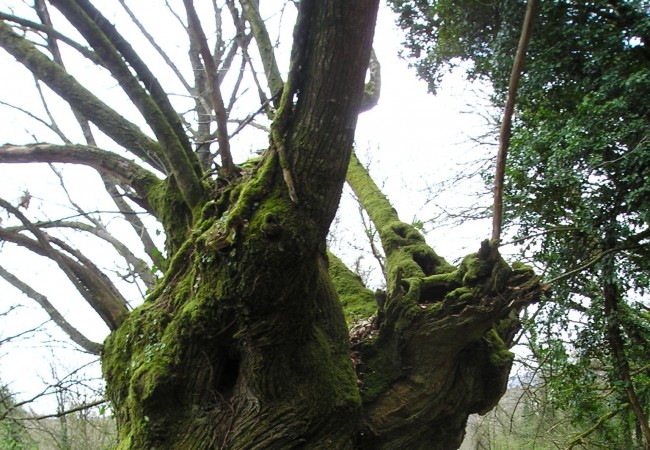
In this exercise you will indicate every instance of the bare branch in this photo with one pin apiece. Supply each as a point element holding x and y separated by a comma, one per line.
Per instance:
<point>244,39</point>
<point>156,109</point>
<point>43,13</point>
<point>55,315</point>
<point>132,219</point>
<point>56,78</point>
<point>213,87</point>
<point>103,161</point>
<point>252,13</point>
<point>140,267</point>
<point>83,407</point>
<point>155,45</point>
<point>506,124</point>
<point>33,116</point>
<point>93,285</point>
<point>53,33</point>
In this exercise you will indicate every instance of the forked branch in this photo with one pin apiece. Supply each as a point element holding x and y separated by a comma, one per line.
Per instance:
<point>214,90</point>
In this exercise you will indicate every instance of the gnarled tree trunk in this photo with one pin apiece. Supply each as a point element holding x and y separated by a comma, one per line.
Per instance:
<point>243,343</point>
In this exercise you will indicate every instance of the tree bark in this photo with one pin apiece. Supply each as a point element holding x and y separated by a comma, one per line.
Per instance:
<point>244,343</point>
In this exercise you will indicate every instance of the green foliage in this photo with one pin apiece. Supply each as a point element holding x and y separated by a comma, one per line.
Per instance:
<point>578,175</point>
<point>13,436</point>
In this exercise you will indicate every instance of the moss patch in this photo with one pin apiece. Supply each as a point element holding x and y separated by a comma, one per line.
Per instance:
<point>357,301</point>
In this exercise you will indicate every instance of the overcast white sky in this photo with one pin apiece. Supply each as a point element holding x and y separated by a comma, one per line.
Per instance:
<point>414,140</point>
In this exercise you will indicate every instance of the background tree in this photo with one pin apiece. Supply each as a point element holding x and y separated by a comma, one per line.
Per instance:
<point>576,184</point>
<point>241,341</point>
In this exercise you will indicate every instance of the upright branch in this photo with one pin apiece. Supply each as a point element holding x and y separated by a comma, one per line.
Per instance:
<point>264,45</point>
<point>144,91</point>
<point>214,90</point>
<point>506,123</point>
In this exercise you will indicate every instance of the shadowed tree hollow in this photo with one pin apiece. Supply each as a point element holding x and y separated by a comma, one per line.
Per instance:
<point>242,341</point>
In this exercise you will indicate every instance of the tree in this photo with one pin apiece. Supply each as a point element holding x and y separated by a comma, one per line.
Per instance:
<point>576,191</point>
<point>241,342</point>
<point>13,436</point>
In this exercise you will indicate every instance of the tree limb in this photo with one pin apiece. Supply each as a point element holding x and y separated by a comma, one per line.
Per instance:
<point>154,44</point>
<point>74,334</point>
<point>506,124</point>
<point>372,90</point>
<point>111,47</point>
<point>213,87</point>
<point>93,285</point>
<point>103,161</point>
<point>86,52</point>
<point>83,407</point>
<point>106,119</point>
<point>264,45</point>
<point>577,440</point>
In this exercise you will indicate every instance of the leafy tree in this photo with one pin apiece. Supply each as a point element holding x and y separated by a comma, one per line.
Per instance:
<point>241,341</point>
<point>576,182</point>
<point>13,436</point>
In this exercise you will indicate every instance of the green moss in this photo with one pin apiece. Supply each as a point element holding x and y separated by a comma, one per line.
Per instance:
<point>435,287</point>
<point>473,269</point>
<point>171,210</point>
<point>500,355</point>
<point>380,371</point>
<point>461,294</point>
<point>357,301</point>
<point>333,369</point>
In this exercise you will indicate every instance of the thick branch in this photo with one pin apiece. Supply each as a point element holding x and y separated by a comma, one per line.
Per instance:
<point>155,108</point>
<point>56,78</point>
<point>103,161</point>
<point>264,45</point>
<point>396,236</point>
<point>140,267</point>
<point>214,89</point>
<point>372,90</point>
<point>55,315</point>
<point>327,75</point>
<point>145,76</point>
<point>89,281</point>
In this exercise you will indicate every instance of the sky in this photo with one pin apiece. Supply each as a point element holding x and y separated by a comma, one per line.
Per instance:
<point>412,141</point>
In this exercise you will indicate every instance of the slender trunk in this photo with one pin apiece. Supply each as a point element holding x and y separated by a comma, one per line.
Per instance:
<point>506,123</point>
<point>617,346</point>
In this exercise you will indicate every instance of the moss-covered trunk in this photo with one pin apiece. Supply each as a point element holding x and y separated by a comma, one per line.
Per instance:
<point>244,345</point>
<point>437,350</point>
